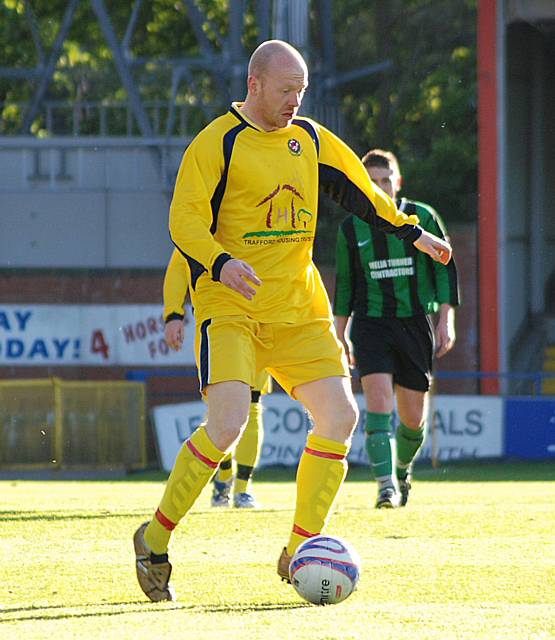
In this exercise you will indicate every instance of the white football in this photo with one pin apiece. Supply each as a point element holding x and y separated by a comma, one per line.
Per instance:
<point>325,570</point>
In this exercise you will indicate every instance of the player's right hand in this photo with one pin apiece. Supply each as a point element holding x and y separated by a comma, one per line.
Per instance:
<point>174,332</point>
<point>236,275</point>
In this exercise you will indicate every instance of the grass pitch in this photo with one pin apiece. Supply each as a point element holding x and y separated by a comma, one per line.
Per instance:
<point>472,556</point>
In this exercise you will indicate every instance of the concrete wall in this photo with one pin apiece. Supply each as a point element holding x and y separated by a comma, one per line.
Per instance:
<point>86,203</point>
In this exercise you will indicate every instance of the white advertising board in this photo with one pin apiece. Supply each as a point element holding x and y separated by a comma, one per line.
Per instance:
<point>35,335</point>
<point>466,427</point>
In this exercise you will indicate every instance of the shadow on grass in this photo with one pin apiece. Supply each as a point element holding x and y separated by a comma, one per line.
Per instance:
<point>484,470</point>
<point>475,471</point>
<point>61,612</point>
<point>138,516</point>
<point>22,516</point>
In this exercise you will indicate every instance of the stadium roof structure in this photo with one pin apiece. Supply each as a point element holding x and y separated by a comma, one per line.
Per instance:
<point>222,57</point>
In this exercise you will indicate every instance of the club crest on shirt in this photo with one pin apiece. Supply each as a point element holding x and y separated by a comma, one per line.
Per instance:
<point>294,147</point>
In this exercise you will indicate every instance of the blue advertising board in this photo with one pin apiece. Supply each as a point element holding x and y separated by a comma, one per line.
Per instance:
<point>530,428</point>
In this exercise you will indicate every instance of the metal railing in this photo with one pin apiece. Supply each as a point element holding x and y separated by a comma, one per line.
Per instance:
<point>102,118</point>
<point>110,118</point>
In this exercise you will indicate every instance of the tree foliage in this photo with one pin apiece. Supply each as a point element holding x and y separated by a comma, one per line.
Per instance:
<point>422,107</point>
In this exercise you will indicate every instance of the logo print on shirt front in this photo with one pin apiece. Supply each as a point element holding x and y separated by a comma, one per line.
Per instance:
<point>294,147</point>
<point>283,223</point>
<point>280,215</point>
<point>391,268</point>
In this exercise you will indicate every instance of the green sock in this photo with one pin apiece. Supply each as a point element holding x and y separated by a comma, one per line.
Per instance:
<point>378,446</point>
<point>409,442</point>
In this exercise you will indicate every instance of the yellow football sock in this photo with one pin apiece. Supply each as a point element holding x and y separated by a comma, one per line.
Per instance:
<point>248,449</point>
<point>225,470</point>
<point>322,469</point>
<point>196,463</point>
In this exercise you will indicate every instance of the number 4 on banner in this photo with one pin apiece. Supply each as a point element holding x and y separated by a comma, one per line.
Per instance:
<point>99,344</point>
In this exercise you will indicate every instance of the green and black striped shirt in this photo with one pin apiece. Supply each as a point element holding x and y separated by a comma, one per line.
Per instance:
<point>381,276</point>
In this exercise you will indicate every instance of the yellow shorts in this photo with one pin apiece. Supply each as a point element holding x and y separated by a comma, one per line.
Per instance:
<point>263,383</point>
<point>240,348</point>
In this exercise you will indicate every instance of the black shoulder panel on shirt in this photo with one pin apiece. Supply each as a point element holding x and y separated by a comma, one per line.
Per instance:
<point>227,142</point>
<point>234,111</point>
<point>304,124</point>
<point>196,268</point>
<point>336,184</point>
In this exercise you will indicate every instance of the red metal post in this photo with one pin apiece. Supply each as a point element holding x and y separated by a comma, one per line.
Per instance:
<point>488,192</point>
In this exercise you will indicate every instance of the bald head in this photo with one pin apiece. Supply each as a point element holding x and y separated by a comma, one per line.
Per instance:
<point>272,53</point>
<point>276,83</point>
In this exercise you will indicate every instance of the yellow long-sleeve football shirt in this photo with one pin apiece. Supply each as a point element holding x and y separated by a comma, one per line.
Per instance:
<point>250,194</point>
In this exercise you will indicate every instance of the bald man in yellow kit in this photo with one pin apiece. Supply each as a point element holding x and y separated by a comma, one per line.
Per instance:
<point>244,215</point>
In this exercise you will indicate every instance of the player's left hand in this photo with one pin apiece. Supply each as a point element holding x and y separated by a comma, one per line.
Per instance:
<point>444,338</point>
<point>438,249</point>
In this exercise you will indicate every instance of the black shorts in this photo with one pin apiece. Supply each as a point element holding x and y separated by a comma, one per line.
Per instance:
<point>403,347</point>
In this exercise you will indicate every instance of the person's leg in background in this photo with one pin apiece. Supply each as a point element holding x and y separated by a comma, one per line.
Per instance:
<point>373,342</point>
<point>223,483</point>
<point>412,407</point>
<point>380,442</point>
<point>247,454</point>
<point>413,379</point>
